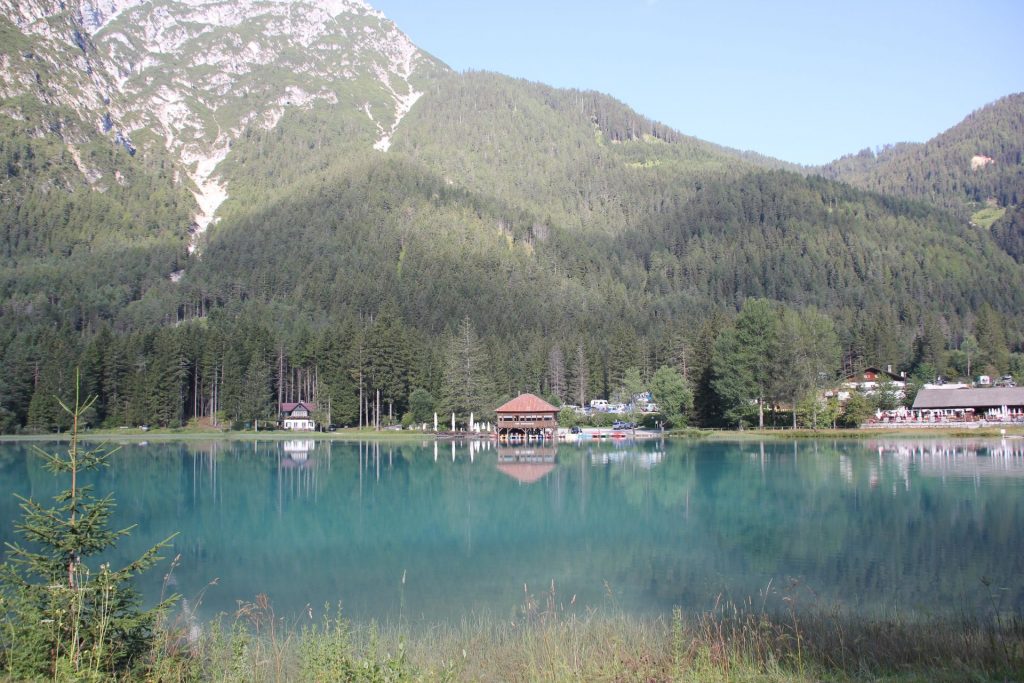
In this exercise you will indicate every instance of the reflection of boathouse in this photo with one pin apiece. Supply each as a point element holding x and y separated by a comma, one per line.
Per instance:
<point>527,464</point>
<point>526,417</point>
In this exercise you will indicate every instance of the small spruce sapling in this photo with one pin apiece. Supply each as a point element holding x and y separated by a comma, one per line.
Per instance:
<point>60,618</point>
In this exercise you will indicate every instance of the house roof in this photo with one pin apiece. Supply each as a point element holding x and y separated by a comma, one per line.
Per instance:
<point>527,403</point>
<point>290,407</point>
<point>969,398</point>
<point>857,376</point>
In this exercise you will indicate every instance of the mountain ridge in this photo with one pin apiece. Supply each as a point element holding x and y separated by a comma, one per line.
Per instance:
<point>977,160</point>
<point>194,80</point>
<point>212,194</point>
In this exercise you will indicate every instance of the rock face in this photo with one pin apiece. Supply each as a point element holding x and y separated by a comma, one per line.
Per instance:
<point>191,76</point>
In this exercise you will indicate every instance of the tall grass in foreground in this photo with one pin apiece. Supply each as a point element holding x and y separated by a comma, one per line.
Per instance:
<point>544,642</point>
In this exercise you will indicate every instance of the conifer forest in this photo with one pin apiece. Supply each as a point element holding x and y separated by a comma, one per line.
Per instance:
<point>512,237</point>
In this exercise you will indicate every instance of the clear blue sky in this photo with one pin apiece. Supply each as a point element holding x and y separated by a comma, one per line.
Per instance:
<point>802,81</point>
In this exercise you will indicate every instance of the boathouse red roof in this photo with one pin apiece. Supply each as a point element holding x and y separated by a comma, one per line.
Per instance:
<point>527,403</point>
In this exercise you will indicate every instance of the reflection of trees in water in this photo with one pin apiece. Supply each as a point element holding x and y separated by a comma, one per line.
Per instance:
<point>663,524</point>
<point>862,529</point>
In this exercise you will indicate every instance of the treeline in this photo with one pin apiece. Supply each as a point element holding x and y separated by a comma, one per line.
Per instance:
<point>232,370</point>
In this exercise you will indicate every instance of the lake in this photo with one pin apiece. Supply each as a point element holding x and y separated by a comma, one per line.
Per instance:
<point>429,532</point>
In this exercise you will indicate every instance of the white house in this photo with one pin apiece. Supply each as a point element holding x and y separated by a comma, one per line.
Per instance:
<point>297,417</point>
<point>869,381</point>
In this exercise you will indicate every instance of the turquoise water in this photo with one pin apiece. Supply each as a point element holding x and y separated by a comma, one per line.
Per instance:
<point>427,532</point>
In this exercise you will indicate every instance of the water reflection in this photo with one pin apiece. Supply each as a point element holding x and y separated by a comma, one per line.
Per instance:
<point>628,454</point>
<point>528,463</point>
<point>867,525</point>
<point>965,459</point>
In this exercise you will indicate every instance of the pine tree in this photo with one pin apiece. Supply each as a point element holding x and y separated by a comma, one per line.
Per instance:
<point>679,353</point>
<point>337,387</point>
<point>707,405</point>
<point>421,405</point>
<point>744,359</point>
<point>930,348</point>
<point>389,356</point>
<point>258,398</point>
<point>623,352</point>
<point>672,394</point>
<point>61,618</point>
<point>988,329</point>
<point>165,382</point>
<point>807,358</point>
<point>581,375</point>
<point>556,372</point>
<point>465,386</point>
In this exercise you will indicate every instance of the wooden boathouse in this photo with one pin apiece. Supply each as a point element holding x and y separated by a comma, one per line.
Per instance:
<point>526,418</point>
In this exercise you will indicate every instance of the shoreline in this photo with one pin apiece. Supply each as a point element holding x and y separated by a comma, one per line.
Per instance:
<point>134,435</point>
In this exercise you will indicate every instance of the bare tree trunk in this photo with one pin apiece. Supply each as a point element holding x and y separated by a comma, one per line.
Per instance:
<point>280,376</point>
<point>213,398</point>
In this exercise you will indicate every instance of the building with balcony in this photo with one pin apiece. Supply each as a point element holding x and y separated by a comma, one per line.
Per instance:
<point>297,416</point>
<point>526,417</point>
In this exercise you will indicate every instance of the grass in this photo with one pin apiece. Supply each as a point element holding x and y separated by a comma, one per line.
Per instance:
<point>987,216</point>
<point>186,433</point>
<point>544,643</point>
<point>368,434</point>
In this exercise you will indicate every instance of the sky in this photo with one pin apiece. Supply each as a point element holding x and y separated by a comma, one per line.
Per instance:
<point>805,82</point>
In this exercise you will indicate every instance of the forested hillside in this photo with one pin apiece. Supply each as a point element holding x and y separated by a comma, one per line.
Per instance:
<point>978,160</point>
<point>526,237</point>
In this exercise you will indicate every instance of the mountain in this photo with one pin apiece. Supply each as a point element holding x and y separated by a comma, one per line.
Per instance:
<point>620,214</point>
<point>207,203</point>
<point>181,82</point>
<point>974,170</point>
<point>975,164</point>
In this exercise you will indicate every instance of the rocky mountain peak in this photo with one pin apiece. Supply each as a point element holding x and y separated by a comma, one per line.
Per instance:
<point>193,75</point>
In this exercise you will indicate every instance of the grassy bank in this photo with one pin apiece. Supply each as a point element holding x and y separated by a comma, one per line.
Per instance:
<point>186,434</point>
<point>544,644</point>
